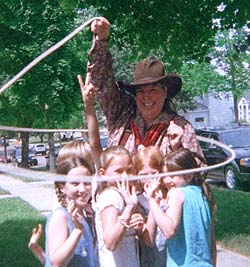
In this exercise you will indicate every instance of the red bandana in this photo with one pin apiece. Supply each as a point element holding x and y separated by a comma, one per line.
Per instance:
<point>151,135</point>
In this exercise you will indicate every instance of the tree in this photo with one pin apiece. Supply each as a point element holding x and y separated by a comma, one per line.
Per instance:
<point>182,29</point>
<point>201,78</point>
<point>198,78</point>
<point>233,63</point>
<point>47,95</point>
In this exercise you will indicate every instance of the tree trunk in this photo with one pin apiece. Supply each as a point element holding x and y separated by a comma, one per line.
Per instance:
<point>236,112</point>
<point>5,149</point>
<point>52,159</point>
<point>25,149</point>
<point>41,137</point>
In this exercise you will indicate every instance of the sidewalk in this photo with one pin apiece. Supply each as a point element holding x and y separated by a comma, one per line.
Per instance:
<point>40,195</point>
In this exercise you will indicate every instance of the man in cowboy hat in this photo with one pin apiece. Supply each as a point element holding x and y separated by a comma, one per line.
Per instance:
<point>140,113</point>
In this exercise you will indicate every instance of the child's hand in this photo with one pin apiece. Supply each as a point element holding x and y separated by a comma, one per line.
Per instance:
<point>33,245</point>
<point>129,194</point>
<point>158,195</point>
<point>87,92</point>
<point>36,235</point>
<point>150,187</point>
<point>76,215</point>
<point>89,211</point>
<point>137,222</point>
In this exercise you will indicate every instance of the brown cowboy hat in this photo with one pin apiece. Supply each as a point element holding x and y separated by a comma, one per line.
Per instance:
<point>150,71</point>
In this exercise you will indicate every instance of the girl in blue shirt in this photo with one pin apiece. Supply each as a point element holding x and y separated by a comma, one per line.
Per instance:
<point>69,232</point>
<point>187,223</point>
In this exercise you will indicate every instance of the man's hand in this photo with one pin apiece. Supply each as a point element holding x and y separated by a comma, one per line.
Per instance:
<point>101,27</point>
<point>175,133</point>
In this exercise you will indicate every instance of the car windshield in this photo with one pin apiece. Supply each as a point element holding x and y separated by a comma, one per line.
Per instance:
<point>237,138</point>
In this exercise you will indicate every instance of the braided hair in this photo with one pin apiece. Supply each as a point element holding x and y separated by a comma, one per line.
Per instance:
<point>74,154</point>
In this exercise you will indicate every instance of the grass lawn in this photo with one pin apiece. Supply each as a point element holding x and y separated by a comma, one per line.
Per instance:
<point>232,226</point>
<point>17,219</point>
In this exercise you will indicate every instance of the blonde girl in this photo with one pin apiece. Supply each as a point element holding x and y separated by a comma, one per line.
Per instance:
<point>116,223</point>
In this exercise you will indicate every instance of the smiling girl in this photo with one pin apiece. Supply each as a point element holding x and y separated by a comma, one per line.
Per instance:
<point>69,238</point>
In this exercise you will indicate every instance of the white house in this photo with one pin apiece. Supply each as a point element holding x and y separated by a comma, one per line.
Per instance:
<point>244,108</point>
<point>212,110</point>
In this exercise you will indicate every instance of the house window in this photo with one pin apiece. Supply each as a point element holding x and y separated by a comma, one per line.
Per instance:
<point>199,119</point>
<point>243,110</point>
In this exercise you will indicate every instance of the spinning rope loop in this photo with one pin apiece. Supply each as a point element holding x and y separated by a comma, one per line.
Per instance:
<point>36,175</point>
<point>45,54</point>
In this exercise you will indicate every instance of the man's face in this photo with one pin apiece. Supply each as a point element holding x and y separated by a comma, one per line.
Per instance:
<point>150,100</point>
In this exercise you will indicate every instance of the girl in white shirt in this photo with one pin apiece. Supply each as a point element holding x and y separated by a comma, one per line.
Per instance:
<point>116,202</point>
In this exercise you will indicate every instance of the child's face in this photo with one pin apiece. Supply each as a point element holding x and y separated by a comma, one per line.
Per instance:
<point>119,166</point>
<point>80,192</point>
<point>147,170</point>
<point>173,181</point>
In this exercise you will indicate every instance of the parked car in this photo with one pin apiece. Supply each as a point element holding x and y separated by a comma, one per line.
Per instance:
<point>17,157</point>
<point>38,148</point>
<point>104,141</point>
<point>1,141</point>
<point>236,172</point>
<point>3,159</point>
<point>12,142</point>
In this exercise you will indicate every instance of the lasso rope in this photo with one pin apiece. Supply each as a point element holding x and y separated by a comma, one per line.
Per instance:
<point>45,54</point>
<point>38,130</point>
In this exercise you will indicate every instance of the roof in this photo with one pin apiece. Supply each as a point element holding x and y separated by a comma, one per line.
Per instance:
<point>246,95</point>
